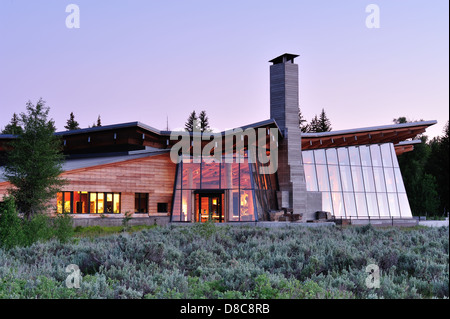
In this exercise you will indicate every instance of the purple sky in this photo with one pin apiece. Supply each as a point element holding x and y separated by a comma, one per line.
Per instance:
<point>149,60</point>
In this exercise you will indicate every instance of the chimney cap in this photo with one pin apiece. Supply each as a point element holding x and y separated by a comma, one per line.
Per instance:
<point>287,57</point>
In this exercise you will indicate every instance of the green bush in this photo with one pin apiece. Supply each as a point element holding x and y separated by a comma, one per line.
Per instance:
<point>11,230</point>
<point>15,231</point>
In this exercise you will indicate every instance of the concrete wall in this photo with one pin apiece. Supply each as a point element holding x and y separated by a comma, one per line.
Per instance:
<point>114,221</point>
<point>284,108</point>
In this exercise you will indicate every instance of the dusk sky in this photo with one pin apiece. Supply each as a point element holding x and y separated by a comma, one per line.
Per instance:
<point>152,60</point>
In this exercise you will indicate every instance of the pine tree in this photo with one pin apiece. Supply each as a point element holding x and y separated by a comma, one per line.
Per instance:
<point>34,161</point>
<point>99,121</point>
<point>192,122</point>
<point>314,126</point>
<point>13,127</point>
<point>204,122</point>
<point>301,122</point>
<point>324,122</point>
<point>71,123</point>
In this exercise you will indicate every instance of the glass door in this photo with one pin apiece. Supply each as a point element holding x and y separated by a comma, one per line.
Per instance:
<point>210,208</point>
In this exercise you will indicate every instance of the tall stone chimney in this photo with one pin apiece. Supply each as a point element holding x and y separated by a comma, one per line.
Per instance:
<point>284,109</point>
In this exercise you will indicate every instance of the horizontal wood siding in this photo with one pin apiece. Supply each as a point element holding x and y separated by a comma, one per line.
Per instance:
<point>154,175</point>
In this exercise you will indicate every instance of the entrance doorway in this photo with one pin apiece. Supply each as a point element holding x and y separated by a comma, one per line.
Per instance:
<point>209,207</point>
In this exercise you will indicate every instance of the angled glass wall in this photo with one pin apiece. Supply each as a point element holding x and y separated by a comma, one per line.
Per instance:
<point>358,181</point>
<point>245,193</point>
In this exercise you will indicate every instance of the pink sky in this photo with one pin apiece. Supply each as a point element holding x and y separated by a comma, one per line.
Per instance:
<point>149,60</point>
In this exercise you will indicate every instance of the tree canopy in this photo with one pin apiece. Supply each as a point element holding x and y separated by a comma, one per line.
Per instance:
<point>34,162</point>
<point>425,174</point>
<point>318,124</point>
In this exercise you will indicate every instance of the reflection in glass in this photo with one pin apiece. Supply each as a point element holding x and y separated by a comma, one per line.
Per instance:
<point>346,177</point>
<point>210,173</point>
<point>331,156</point>
<point>386,155</point>
<point>247,208</point>
<point>379,179</point>
<point>350,206</point>
<point>376,155</point>
<point>326,202</point>
<point>319,156</point>
<point>353,152</point>
<point>369,184</point>
<point>383,205</point>
<point>361,205</point>
<point>405,209</point>
<point>393,205</point>
<point>234,206</point>
<point>335,180</point>
<point>390,179</point>
<point>373,170</point>
<point>191,175</point>
<point>310,175</point>
<point>365,156</point>
<point>372,205</point>
<point>176,209</point>
<point>357,178</point>
<point>338,204</point>
<point>245,178</point>
<point>393,156</point>
<point>399,180</point>
<point>322,178</point>
<point>343,156</point>
<point>186,206</point>
<point>308,157</point>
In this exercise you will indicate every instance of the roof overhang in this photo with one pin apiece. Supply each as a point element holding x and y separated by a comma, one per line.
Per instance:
<point>395,133</point>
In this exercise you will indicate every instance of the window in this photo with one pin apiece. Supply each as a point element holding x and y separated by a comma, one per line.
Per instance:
<point>162,207</point>
<point>141,203</point>
<point>87,202</point>
<point>358,181</point>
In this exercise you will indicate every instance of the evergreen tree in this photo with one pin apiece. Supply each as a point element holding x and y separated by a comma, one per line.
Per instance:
<point>13,127</point>
<point>71,123</point>
<point>192,123</point>
<point>319,124</point>
<point>99,122</point>
<point>302,123</point>
<point>204,122</point>
<point>438,166</point>
<point>34,161</point>
<point>314,126</point>
<point>324,122</point>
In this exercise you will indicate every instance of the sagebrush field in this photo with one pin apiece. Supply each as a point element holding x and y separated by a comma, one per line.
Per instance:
<point>206,261</point>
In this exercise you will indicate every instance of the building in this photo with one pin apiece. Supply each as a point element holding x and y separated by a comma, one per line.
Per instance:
<point>240,175</point>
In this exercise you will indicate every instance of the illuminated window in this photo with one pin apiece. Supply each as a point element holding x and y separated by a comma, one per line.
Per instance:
<point>240,187</point>
<point>87,202</point>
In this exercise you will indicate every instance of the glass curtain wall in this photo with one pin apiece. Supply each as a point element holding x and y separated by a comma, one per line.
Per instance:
<point>358,181</point>
<point>244,194</point>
